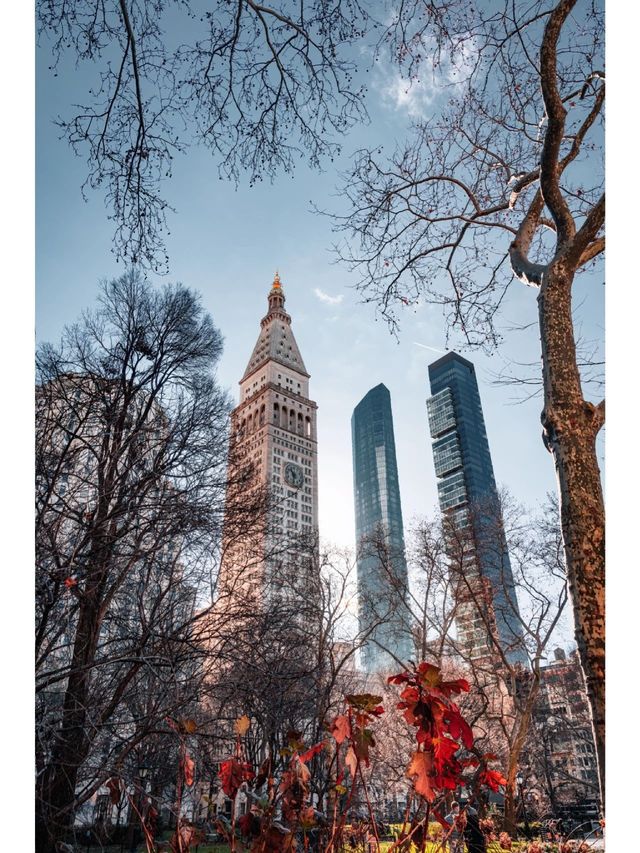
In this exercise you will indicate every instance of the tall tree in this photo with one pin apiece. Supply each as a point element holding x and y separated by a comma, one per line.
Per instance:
<point>131,460</point>
<point>502,181</point>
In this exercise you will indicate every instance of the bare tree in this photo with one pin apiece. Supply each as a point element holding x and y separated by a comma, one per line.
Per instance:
<point>259,84</point>
<point>131,460</point>
<point>502,181</point>
<point>507,689</point>
<point>457,607</point>
<point>289,662</point>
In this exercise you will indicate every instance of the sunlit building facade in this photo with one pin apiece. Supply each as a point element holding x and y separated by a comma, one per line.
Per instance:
<point>273,435</point>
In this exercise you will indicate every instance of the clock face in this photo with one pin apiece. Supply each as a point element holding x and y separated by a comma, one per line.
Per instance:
<point>293,475</point>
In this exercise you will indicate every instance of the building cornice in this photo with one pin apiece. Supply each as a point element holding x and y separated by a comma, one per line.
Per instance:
<point>271,386</point>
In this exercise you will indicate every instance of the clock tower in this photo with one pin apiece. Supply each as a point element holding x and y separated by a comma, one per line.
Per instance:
<point>273,434</point>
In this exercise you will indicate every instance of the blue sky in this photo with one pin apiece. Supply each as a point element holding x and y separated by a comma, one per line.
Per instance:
<point>227,242</point>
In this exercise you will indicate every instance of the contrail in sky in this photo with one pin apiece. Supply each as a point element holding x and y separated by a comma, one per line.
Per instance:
<point>433,349</point>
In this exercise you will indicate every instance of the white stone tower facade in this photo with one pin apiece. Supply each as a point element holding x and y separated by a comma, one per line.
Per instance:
<point>273,429</point>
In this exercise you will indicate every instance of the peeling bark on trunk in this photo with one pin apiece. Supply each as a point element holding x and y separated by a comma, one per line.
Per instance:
<point>570,428</point>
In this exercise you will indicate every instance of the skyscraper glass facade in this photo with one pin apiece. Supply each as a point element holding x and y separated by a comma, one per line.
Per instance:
<point>467,491</point>
<point>379,532</point>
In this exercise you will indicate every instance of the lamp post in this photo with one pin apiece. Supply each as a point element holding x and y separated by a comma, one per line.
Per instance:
<point>520,783</point>
<point>135,819</point>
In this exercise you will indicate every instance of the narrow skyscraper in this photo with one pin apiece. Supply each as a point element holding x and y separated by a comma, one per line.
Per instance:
<point>379,533</point>
<point>467,492</point>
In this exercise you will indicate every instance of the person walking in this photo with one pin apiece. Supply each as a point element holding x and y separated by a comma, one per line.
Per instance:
<point>455,836</point>
<point>473,835</point>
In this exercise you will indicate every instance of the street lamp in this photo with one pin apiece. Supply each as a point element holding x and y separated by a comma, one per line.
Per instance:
<point>520,783</point>
<point>136,815</point>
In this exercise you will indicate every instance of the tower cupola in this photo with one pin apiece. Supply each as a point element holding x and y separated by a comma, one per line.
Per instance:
<point>276,295</point>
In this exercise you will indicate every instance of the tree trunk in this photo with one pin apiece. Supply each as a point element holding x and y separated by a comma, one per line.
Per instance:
<point>509,823</point>
<point>54,815</point>
<point>516,745</point>
<point>570,428</point>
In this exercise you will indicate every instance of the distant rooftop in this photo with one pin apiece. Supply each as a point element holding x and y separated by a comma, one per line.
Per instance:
<point>381,387</point>
<point>451,356</point>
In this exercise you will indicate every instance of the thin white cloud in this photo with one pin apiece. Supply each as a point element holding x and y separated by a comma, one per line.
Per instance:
<point>327,298</point>
<point>433,349</point>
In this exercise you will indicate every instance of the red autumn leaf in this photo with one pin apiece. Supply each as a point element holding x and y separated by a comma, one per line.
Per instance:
<point>449,783</point>
<point>458,727</point>
<point>232,774</point>
<point>341,728</point>
<point>443,750</point>
<point>423,736</point>
<point>420,768</point>
<point>70,582</point>
<point>399,678</point>
<point>493,779</point>
<point>429,675</point>
<point>314,750</point>
<point>460,685</point>
<point>364,702</point>
<point>263,773</point>
<point>301,772</point>
<point>362,740</point>
<point>351,761</point>
<point>188,766</point>
<point>438,711</point>
<point>410,694</point>
<point>431,681</point>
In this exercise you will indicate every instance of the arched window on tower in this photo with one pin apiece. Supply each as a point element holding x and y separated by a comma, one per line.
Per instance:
<point>300,424</point>
<point>262,414</point>
<point>284,423</point>
<point>292,420</point>
<point>276,414</point>
<point>307,423</point>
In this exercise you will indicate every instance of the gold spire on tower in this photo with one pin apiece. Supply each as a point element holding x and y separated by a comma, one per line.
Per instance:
<point>276,281</point>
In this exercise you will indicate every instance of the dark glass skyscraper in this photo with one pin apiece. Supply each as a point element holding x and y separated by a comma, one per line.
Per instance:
<point>379,532</point>
<point>467,491</point>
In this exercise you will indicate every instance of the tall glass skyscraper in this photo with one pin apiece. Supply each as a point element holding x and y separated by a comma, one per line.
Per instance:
<point>382,565</point>
<point>467,493</point>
